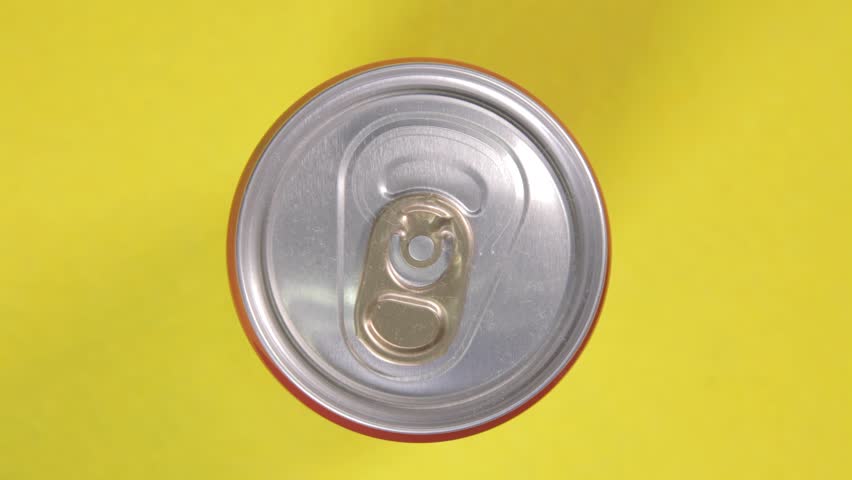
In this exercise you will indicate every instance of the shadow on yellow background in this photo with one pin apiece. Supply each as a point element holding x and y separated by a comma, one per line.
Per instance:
<point>720,136</point>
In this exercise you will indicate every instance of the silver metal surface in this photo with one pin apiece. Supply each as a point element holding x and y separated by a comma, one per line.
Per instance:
<point>537,268</point>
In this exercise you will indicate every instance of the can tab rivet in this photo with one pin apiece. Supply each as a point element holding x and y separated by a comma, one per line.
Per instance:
<point>415,278</point>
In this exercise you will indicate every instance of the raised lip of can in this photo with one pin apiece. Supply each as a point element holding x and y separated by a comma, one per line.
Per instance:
<point>239,305</point>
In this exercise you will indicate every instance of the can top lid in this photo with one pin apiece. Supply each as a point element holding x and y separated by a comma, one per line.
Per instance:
<point>530,284</point>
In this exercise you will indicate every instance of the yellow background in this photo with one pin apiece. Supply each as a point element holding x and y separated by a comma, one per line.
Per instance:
<point>721,135</point>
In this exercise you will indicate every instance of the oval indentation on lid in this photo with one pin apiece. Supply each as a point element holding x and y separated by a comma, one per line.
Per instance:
<point>404,324</point>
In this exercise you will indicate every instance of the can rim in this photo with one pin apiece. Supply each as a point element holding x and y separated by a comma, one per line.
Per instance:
<point>240,307</point>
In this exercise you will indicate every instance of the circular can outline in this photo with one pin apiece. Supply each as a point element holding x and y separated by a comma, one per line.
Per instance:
<point>236,294</point>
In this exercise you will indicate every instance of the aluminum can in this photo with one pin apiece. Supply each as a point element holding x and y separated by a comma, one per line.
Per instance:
<point>418,250</point>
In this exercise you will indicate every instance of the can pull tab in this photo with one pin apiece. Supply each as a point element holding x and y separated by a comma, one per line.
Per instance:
<point>415,279</point>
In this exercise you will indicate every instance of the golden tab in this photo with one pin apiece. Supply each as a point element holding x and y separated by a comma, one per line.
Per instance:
<point>415,279</point>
